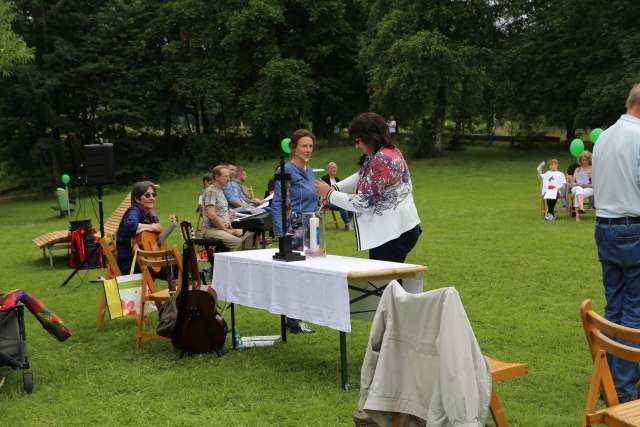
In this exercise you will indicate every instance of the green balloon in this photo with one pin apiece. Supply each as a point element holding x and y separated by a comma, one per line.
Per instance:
<point>66,179</point>
<point>576,147</point>
<point>284,144</point>
<point>595,134</point>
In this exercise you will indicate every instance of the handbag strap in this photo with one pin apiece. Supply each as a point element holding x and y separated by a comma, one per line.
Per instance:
<point>133,262</point>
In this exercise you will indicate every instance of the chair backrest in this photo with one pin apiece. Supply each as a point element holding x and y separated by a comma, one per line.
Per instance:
<point>595,328</point>
<point>110,251</point>
<point>199,220</point>
<point>160,258</point>
<point>112,224</point>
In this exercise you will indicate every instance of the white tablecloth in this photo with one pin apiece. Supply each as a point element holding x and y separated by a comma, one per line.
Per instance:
<point>315,290</point>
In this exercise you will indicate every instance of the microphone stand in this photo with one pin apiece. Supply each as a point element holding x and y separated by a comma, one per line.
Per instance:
<point>285,252</point>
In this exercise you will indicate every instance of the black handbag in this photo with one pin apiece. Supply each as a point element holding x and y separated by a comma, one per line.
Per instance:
<point>168,314</point>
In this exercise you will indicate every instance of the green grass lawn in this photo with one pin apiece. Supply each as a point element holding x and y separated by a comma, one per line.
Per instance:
<point>521,280</point>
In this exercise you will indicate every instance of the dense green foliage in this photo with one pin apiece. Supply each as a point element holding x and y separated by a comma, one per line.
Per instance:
<point>175,83</point>
<point>13,49</point>
<point>521,280</point>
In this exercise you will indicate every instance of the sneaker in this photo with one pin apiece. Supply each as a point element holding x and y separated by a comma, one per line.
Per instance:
<point>300,328</point>
<point>548,216</point>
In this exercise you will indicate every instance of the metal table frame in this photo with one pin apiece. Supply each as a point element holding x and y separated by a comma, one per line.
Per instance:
<point>369,276</point>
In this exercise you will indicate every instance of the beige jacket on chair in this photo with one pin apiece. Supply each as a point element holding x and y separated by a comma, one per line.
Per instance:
<point>423,360</point>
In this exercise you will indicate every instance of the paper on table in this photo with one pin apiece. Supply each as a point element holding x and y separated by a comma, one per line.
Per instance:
<point>266,202</point>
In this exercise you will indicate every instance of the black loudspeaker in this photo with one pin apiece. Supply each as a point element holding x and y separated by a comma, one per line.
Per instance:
<point>99,164</point>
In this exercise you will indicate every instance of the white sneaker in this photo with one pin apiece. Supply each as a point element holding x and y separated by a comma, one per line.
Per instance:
<point>548,216</point>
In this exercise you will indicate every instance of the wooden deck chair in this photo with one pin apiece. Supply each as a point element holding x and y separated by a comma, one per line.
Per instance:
<point>199,221</point>
<point>58,240</point>
<point>599,332</point>
<point>500,371</point>
<point>146,260</point>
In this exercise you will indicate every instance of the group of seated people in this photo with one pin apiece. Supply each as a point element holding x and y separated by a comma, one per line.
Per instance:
<point>224,191</point>
<point>578,177</point>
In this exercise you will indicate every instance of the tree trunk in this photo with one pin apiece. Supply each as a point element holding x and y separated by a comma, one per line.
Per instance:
<point>439,114</point>
<point>455,144</point>
<point>570,128</point>
<point>196,116</point>
<point>167,122</point>
<point>206,127</point>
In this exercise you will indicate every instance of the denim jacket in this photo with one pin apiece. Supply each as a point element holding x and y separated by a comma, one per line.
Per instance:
<point>303,197</point>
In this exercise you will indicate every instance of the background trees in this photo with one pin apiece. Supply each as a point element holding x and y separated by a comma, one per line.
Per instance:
<point>13,50</point>
<point>200,81</point>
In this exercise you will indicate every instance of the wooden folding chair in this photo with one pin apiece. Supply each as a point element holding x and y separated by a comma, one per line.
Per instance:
<point>589,206</point>
<point>595,328</point>
<point>333,213</point>
<point>500,371</point>
<point>109,254</point>
<point>152,259</point>
<point>199,221</point>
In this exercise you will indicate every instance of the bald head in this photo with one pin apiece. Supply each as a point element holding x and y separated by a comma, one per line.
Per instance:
<point>633,101</point>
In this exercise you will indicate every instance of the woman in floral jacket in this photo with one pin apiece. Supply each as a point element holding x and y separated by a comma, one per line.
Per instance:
<point>380,193</point>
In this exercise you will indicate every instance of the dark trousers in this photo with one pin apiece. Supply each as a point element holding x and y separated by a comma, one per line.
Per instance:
<point>396,250</point>
<point>551,205</point>
<point>619,254</point>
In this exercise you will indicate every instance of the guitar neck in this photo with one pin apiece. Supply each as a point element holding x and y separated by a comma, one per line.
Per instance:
<point>166,233</point>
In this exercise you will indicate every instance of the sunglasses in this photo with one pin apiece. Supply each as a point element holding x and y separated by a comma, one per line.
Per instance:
<point>150,195</point>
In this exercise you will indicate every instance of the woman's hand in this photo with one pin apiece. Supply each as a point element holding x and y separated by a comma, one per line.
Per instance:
<point>322,189</point>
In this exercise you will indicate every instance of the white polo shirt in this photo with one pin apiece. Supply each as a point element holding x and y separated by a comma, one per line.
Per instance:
<point>616,169</point>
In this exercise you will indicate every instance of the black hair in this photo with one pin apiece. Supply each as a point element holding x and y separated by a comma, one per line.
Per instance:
<point>372,130</point>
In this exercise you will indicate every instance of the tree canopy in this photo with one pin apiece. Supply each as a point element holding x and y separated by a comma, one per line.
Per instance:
<point>201,81</point>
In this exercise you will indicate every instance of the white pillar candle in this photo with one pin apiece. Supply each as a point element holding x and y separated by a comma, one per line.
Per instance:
<point>314,233</point>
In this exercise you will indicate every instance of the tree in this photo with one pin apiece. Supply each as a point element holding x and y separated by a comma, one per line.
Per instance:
<point>13,49</point>
<point>573,61</point>
<point>422,59</point>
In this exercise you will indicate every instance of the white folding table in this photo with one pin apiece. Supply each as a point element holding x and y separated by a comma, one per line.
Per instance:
<point>327,291</point>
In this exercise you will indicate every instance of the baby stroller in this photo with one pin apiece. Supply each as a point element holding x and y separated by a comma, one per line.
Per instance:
<point>13,345</point>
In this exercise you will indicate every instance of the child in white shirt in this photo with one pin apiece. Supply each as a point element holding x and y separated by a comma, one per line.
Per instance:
<point>552,183</point>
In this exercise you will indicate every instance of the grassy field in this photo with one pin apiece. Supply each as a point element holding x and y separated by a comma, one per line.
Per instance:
<point>521,280</point>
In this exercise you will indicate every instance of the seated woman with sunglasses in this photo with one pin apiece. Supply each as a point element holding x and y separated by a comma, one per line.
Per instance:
<point>141,216</point>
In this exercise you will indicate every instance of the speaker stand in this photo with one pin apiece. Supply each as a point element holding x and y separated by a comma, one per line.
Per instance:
<point>95,248</point>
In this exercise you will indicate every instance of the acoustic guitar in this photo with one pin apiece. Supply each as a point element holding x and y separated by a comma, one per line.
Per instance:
<point>199,327</point>
<point>154,241</point>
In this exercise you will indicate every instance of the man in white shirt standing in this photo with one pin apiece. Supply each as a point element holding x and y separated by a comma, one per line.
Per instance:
<point>616,185</point>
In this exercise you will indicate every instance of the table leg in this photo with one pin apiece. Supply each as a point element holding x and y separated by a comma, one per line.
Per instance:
<point>234,344</point>
<point>283,327</point>
<point>344,377</point>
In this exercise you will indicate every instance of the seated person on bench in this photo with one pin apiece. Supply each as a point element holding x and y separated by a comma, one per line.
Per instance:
<point>245,192</point>
<point>217,222</point>
<point>232,189</point>
<point>141,216</point>
<point>331,178</point>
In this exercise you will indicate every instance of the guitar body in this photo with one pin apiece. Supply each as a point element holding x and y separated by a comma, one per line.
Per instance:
<point>199,326</point>
<point>202,329</point>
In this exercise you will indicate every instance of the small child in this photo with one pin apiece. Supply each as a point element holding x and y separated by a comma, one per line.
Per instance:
<point>552,182</point>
